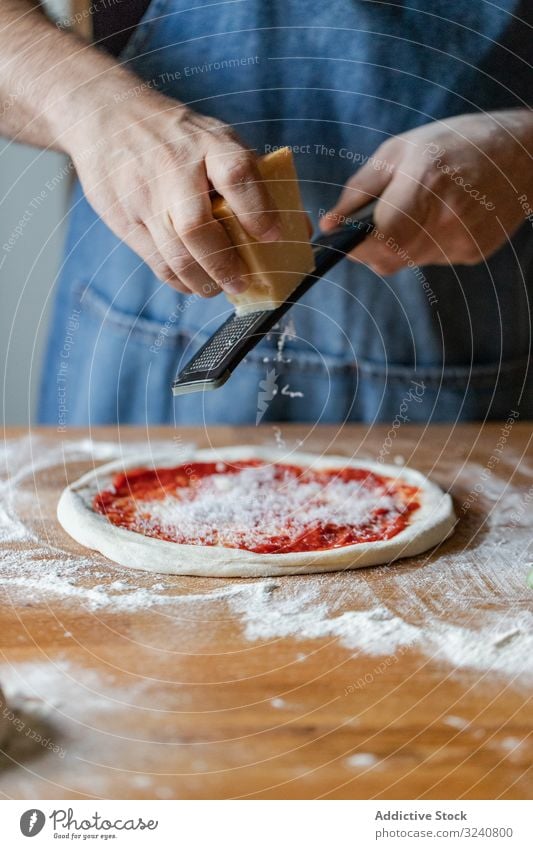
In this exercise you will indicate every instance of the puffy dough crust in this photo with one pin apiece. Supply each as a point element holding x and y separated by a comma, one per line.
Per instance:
<point>430,525</point>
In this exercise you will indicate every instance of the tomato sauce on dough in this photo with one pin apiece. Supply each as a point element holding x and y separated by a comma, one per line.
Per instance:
<point>261,507</point>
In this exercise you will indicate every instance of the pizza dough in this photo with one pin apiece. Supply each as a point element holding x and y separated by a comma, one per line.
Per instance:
<point>428,525</point>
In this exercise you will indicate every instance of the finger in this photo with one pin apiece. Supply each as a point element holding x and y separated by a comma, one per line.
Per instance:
<point>140,240</point>
<point>403,210</point>
<point>377,257</point>
<point>400,236</point>
<point>206,240</point>
<point>387,258</point>
<point>190,274</point>
<point>235,175</point>
<point>365,185</point>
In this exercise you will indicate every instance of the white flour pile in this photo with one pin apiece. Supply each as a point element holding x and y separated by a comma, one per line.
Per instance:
<point>503,644</point>
<point>469,609</point>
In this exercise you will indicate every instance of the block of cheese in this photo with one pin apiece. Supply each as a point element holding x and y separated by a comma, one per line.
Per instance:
<point>275,268</point>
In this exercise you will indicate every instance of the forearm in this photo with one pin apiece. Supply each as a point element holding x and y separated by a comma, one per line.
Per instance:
<point>50,81</point>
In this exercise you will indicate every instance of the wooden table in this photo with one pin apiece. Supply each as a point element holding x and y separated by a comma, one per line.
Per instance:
<point>187,700</point>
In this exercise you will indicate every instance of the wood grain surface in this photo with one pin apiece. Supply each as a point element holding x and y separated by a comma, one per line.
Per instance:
<point>194,700</point>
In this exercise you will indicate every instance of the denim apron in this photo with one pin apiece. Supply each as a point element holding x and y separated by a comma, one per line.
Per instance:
<point>333,80</point>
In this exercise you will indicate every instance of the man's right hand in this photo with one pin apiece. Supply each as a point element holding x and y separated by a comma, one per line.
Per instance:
<point>147,165</point>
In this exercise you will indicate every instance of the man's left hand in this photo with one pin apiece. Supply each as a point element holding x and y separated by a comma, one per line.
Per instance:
<point>451,192</point>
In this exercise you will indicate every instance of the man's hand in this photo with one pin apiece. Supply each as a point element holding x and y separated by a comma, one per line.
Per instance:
<point>146,162</point>
<point>151,184</point>
<point>450,192</point>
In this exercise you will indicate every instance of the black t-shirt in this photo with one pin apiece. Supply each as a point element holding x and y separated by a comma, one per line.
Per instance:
<point>115,20</point>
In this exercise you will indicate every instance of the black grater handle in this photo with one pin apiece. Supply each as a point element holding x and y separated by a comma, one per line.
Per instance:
<point>213,364</point>
<point>344,239</point>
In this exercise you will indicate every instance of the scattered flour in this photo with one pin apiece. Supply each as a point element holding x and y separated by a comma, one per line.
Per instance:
<point>511,742</point>
<point>305,615</point>
<point>60,686</point>
<point>510,748</point>
<point>11,528</point>
<point>141,781</point>
<point>467,609</point>
<point>456,722</point>
<point>313,613</point>
<point>251,507</point>
<point>361,760</point>
<point>31,565</point>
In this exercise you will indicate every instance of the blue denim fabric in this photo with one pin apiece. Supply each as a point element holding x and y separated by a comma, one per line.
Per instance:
<point>333,80</point>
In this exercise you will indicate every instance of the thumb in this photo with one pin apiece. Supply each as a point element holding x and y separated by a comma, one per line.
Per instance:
<point>365,185</point>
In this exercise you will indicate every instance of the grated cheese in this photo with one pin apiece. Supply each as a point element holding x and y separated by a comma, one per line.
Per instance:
<point>253,506</point>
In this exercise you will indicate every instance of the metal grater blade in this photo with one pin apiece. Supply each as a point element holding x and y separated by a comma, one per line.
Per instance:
<point>213,364</point>
<point>221,344</point>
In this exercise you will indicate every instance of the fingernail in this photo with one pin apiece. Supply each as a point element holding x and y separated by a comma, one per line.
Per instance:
<point>272,235</point>
<point>235,286</point>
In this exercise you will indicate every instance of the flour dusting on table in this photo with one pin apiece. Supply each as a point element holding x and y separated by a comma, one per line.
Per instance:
<point>433,615</point>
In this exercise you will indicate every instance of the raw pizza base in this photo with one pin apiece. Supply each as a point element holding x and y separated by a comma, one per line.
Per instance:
<point>429,525</point>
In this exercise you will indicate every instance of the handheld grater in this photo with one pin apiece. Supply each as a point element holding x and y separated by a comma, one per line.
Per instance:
<point>215,361</point>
